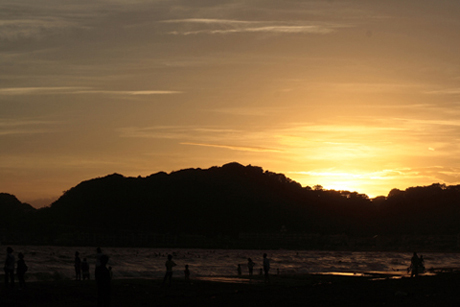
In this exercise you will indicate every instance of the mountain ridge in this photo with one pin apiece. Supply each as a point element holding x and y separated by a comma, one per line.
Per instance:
<point>231,200</point>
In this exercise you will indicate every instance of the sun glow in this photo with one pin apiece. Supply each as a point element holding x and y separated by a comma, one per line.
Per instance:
<point>364,183</point>
<point>340,181</point>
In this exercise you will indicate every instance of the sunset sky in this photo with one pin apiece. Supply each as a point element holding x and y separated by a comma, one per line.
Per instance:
<point>352,95</point>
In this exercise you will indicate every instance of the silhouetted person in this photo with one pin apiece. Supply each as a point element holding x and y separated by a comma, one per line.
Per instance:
<point>21,270</point>
<point>9,267</point>
<point>77,266</point>
<point>85,269</point>
<point>169,265</point>
<point>414,265</point>
<point>251,265</point>
<point>187,274</point>
<point>98,257</point>
<point>266,268</point>
<point>102,275</point>
<point>239,270</point>
<point>422,264</point>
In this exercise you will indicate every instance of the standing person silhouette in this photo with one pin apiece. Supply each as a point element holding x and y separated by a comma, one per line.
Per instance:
<point>422,264</point>
<point>414,265</point>
<point>266,264</point>
<point>102,275</point>
<point>85,269</point>
<point>169,265</point>
<point>21,270</point>
<point>77,266</point>
<point>9,267</point>
<point>251,265</point>
<point>98,256</point>
<point>187,274</point>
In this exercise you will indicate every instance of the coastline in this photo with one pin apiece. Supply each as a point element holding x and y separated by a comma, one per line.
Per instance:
<point>283,290</point>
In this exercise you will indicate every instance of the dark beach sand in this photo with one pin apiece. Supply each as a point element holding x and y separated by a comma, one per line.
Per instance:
<point>296,290</point>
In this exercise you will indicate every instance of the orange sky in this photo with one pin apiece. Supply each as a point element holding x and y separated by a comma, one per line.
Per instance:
<point>352,95</point>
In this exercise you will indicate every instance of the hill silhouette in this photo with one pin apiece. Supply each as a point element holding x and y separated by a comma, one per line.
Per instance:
<point>228,201</point>
<point>12,210</point>
<point>220,200</point>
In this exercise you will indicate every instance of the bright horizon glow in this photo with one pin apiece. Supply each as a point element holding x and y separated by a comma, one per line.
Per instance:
<point>373,183</point>
<point>352,95</point>
<point>338,181</point>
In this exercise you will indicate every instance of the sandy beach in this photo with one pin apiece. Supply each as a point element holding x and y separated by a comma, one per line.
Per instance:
<point>294,290</point>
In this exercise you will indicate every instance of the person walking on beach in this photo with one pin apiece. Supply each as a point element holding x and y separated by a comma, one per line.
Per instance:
<point>9,267</point>
<point>21,270</point>
<point>251,265</point>
<point>169,265</point>
<point>102,275</point>
<point>85,269</point>
<point>266,264</point>
<point>77,266</point>
<point>239,269</point>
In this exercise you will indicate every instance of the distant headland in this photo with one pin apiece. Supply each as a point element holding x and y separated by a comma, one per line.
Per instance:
<point>234,206</point>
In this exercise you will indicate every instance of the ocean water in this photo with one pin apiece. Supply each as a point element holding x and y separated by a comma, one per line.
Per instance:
<point>56,262</point>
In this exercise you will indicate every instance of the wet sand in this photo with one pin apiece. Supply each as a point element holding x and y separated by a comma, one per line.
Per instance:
<point>295,290</point>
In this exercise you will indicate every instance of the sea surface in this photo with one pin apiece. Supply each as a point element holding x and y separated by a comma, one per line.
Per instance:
<point>56,262</point>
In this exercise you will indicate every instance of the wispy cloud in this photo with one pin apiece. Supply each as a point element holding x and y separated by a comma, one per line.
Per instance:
<point>32,27</point>
<point>210,21</point>
<point>76,90</point>
<point>371,87</point>
<point>207,137</point>
<point>16,131</point>
<point>250,111</point>
<point>23,126</point>
<point>5,122</point>
<point>160,132</point>
<point>226,26</point>
<point>127,92</point>
<point>27,161</point>
<point>353,140</point>
<point>447,91</point>
<point>37,90</point>
<point>231,147</point>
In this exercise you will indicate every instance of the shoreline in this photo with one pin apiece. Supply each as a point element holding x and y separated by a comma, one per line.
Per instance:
<point>290,290</point>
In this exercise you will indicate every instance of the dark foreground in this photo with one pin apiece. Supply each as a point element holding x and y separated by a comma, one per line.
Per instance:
<point>305,290</point>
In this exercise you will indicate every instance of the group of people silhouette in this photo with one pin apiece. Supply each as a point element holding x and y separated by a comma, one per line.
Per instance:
<point>417,265</point>
<point>8,268</point>
<point>81,268</point>
<point>103,274</point>
<point>169,264</point>
<point>265,270</point>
